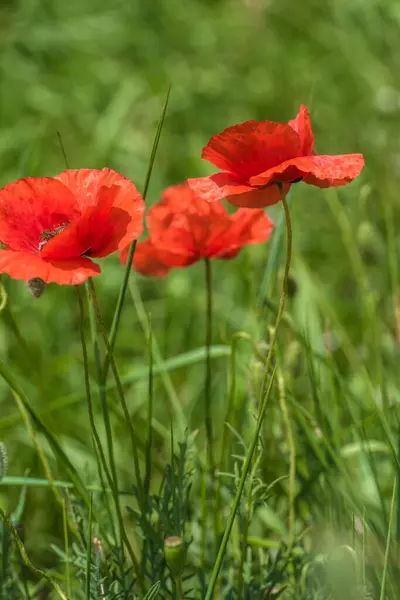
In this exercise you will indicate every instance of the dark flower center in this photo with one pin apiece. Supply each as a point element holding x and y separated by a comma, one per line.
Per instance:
<point>48,234</point>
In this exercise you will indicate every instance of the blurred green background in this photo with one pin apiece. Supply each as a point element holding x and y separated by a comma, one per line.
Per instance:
<point>98,73</point>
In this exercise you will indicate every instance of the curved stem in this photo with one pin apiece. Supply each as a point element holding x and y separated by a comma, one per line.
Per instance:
<point>282,299</point>
<point>261,413</point>
<point>207,395</point>
<point>121,394</point>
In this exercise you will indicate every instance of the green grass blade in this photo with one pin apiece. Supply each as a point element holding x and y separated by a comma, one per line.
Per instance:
<point>7,375</point>
<point>389,535</point>
<point>238,495</point>
<point>89,550</point>
<point>128,268</point>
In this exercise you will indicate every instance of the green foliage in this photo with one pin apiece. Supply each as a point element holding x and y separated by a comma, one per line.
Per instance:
<point>98,73</point>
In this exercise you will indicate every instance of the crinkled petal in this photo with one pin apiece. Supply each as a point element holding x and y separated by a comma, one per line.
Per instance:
<point>182,198</point>
<point>322,171</point>
<point>146,259</point>
<point>31,206</point>
<point>302,126</point>
<point>125,220</point>
<point>252,147</point>
<point>334,171</point>
<point>218,186</point>
<point>26,266</point>
<point>244,227</point>
<point>86,234</point>
<point>101,230</point>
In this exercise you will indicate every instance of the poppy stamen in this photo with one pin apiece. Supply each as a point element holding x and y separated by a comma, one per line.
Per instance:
<point>48,234</point>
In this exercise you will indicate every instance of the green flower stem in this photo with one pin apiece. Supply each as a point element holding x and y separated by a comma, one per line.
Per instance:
<point>111,476</point>
<point>262,409</point>
<point>121,394</point>
<point>208,398</point>
<point>283,291</point>
<point>128,268</point>
<point>207,395</point>
<point>95,434</point>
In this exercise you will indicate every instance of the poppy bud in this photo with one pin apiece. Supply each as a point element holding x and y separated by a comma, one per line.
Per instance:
<point>36,287</point>
<point>3,460</point>
<point>175,554</point>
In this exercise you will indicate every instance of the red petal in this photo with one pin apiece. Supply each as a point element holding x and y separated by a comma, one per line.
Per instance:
<point>125,221</point>
<point>322,171</point>
<point>146,260</point>
<point>33,205</point>
<point>252,147</point>
<point>302,125</point>
<point>333,171</point>
<point>180,201</point>
<point>245,226</point>
<point>218,186</point>
<point>86,234</point>
<point>26,265</point>
<point>259,197</point>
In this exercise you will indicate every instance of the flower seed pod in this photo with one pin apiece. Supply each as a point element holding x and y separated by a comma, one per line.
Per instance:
<point>36,287</point>
<point>175,554</point>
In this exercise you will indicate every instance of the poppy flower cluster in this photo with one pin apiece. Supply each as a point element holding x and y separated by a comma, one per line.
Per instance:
<point>184,229</point>
<point>51,228</point>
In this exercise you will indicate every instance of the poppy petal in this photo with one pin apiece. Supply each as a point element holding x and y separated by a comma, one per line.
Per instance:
<point>218,186</point>
<point>302,126</point>
<point>322,171</point>
<point>252,147</point>
<point>26,266</point>
<point>85,234</point>
<point>246,226</point>
<point>334,171</point>
<point>259,197</point>
<point>31,206</point>
<point>146,259</point>
<point>101,230</point>
<point>125,220</point>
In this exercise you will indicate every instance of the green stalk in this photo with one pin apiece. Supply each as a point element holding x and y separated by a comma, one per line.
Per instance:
<point>95,434</point>
<point>89,551</point>
<point>263,406</point>
<point>238,495</point>
<point>149,428</point>
<point>50,437</point>
<point>37,572</point>
<point>208,372</point>
<point>283,295</point>
<point>128,267</point>
<point>66,549</point>
<point>292,456</point>
<point>389,535</point>
<point>111,476</point>
<point>121,395</point>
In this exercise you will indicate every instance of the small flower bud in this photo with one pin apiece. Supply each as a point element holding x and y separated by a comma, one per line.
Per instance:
<point>175,554</point>
<point>3,460</point>
<point>36,287</point>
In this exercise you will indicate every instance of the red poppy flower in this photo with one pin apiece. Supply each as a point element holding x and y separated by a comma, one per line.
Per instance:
<point>253,156</point>
<point>184,228</point>
<point>52,227</point>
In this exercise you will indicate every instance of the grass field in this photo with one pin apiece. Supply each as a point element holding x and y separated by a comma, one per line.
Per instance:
<point>320,514</point>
